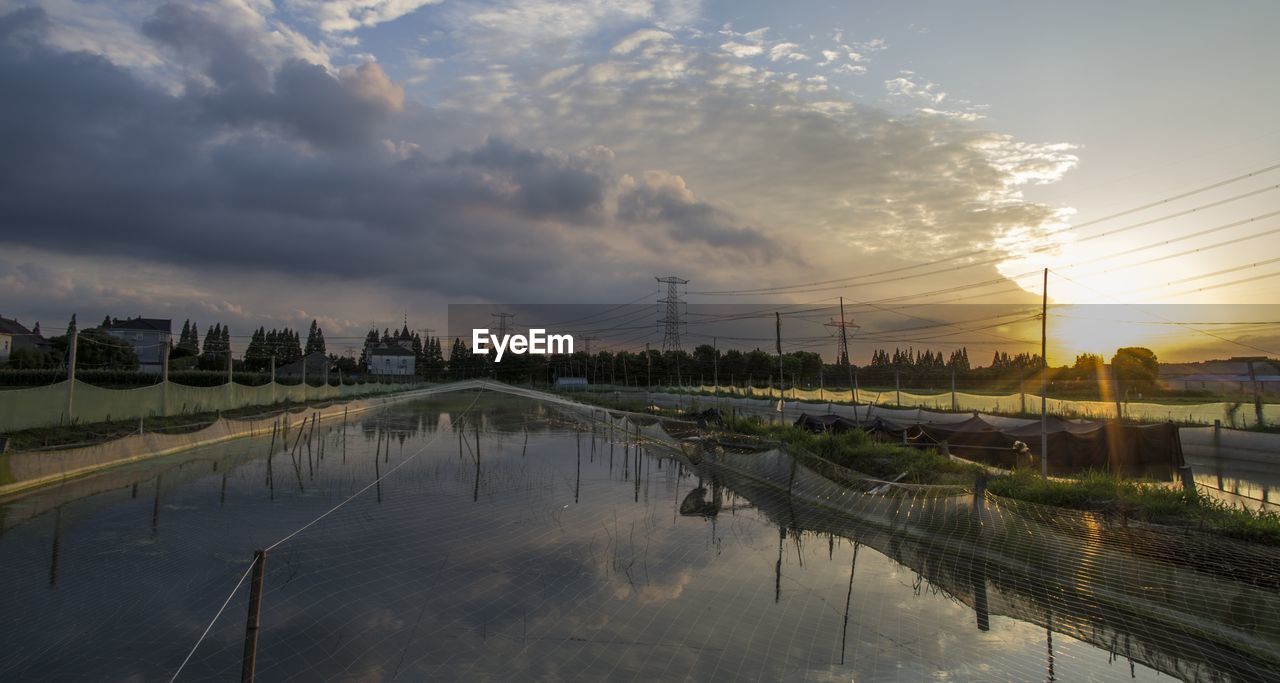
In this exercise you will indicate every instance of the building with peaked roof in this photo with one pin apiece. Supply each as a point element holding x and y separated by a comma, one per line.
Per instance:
<point>15,336</point>
<point>149,337</point>
<point>390,359</point>
<point>12,337</point>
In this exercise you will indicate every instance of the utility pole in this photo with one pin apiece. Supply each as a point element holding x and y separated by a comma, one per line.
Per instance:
<point>273,378</point>
<point>782,387</point>
<point>590,357</point>
<point>715,372</point>
<point>1044,378</point>
<point>164,380</point>
<point>74,334</point>
<point>231,387</point>
<point>842,351</point>
<point>648,379</point>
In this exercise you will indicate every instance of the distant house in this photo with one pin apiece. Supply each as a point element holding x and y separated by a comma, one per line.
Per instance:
<point>14,336</point>
<point>571,383</point>
<point>316,363</point>
<point>149,338</point>
<point>10,331</point>
<point>1231,376</point>
<point>390,359</point>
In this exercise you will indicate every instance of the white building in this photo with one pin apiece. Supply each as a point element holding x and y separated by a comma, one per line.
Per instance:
<point>149,338</point>
<point>390,359</point>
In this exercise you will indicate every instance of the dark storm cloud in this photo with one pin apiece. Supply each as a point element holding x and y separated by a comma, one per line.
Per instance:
<point>663,199</point>
<point>282,171</point>
<point>300,98</point>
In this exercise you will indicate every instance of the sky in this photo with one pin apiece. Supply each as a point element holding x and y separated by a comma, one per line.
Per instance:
<point>361,162</point>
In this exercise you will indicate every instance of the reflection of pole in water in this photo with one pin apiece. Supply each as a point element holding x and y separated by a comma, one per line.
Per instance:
<point>777,569</point>
<point>57,545</point>
<point>638,460</point>
<point>525,449</point>
<point>1050,676</point>
<point>155,509</point>
<point>271,451</point>
<point>978,576</point>
<point>577,484</point>
<point>222,497</point>
<point>377,469</point>
<point>475,492</point>
<point>848,598</point>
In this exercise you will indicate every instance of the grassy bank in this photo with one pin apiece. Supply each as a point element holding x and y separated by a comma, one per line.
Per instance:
<point>1144,501</point>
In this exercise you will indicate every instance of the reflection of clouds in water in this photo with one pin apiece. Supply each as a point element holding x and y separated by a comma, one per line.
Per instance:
<point>649,592</point>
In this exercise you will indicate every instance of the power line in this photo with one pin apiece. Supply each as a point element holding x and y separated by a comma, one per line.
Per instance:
<point>978,252</point>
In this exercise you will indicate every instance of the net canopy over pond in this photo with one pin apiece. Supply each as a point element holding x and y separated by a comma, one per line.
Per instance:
<point>521,535</point>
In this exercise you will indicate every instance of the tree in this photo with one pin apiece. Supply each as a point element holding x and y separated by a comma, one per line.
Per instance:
<point>187,344</point>
<point>96,349</point>
<point>315,339</point>
<point>29,358</point>
<point>1136,366</point>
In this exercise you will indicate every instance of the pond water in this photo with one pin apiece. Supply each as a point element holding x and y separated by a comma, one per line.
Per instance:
<point>503,542</point>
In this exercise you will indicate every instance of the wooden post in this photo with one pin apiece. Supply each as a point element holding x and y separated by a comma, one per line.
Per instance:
<point>304,379</point>
<point>273,379</point>
<point>954,406</point>
<point>1115,392</point>
<point>1257,396</point>
<point>255,618</point>
<point>897,388</point>
<point>1188,479</point>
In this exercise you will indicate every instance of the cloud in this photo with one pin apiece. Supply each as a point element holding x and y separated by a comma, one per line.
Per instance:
<point>908,86</point>
<point>741,50</point>
<point>259,171</point>
<point>509,27</point>
<point>578,169</point>
<point>660,198</point>
<point>639,39</point>
<point>786,52</point>
<point>236,88</point>
<point>348,15</point>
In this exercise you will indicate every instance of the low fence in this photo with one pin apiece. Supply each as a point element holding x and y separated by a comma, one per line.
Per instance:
<point>1235,415</point>
<point>72,402</point>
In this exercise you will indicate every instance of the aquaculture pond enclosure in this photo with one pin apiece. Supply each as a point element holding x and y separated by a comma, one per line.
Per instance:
<point>485,536</point>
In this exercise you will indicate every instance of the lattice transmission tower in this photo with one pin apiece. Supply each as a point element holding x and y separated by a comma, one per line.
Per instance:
<point>843,325</point>
<point>671,321</point>
<point>502,322</point>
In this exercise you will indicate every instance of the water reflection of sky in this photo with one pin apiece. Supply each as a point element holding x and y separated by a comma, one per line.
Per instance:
<point>429,576</point>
